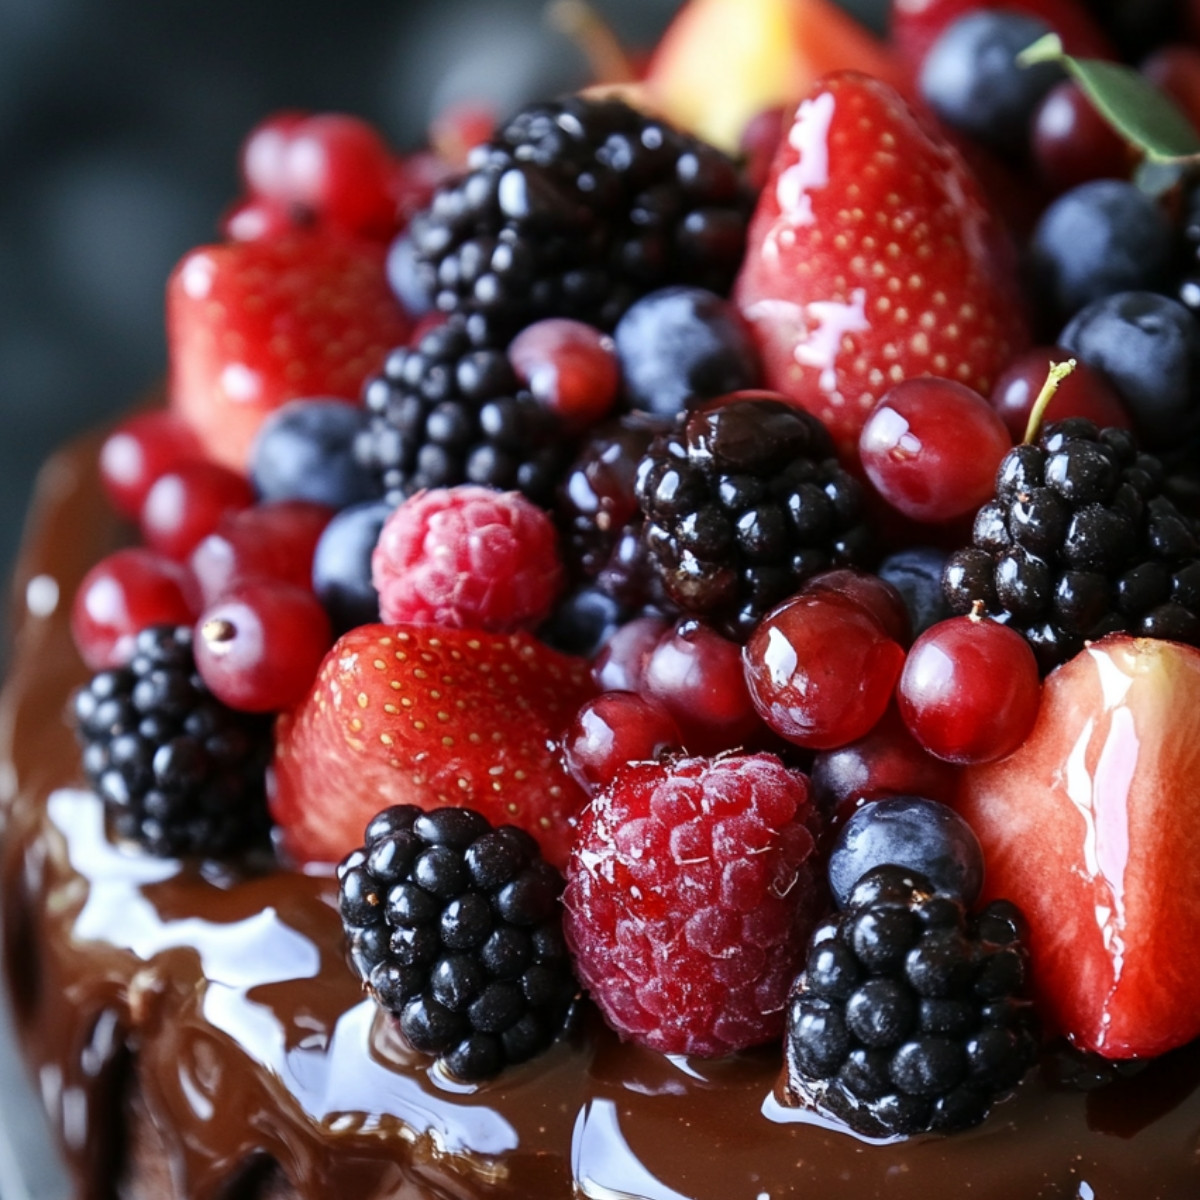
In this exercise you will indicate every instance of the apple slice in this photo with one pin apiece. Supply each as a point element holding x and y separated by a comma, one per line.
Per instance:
<point>1093,828</point>
<point>722,62</point>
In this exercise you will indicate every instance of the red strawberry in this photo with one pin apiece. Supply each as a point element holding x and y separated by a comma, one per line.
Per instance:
<point>690,895</point>
<point>1093,828</point>
<point>916,24</point>
<point>872,258</point>
<point>429,716</point>
<point>251,325</point>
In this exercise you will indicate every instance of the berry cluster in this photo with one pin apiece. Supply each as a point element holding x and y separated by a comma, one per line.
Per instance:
<point>455,927</point>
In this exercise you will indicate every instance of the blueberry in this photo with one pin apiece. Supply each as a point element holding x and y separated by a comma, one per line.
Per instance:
<point>1148,347</point>
<point>680,344</point>
<point>912,833</point>
<point>916,574</point>
<point>404,279</point>
<point>1100,238</point>
<point>971,79</point>
<point>583,623</point>
<point>305,451</point>
<point>342,565</point>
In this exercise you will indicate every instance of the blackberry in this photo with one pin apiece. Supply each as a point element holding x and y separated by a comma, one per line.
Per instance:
<point>745,500</point>
<point>178,771</point>
<point>1080,541</point>
<point>575,209</point>
<point>455,927</point>
<point>450,411</point>
<point>910,1016</point>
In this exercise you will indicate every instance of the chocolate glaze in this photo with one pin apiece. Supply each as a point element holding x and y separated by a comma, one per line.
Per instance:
<point>222,997</point>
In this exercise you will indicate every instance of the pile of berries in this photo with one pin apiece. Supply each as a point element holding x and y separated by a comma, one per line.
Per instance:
<point>689,558</point>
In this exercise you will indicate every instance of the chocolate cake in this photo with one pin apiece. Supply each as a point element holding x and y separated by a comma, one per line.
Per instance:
<point>198,1035</point>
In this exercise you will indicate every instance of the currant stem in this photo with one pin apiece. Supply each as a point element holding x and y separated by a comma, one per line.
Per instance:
<point>579,21</point>
<point>1058,372</point>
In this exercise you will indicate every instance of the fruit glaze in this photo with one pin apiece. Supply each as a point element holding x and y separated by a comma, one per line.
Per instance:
<point>859,858</point>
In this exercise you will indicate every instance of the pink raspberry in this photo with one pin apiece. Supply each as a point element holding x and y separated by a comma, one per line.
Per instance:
<point>467,558</point>
<point>690,895</point>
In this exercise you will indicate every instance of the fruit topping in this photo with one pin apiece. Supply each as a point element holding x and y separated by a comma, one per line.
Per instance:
<point>252,325</point>
<point>575,209</point>
<point>873,258</point>
<point>178,771</point>
<point>914,834</point>
<point>1089,827</point>
<point>456,929</point>
<point>1080,542</point>
<point>910,1014</point>
<point>451,410</point>
<point>689,895</point>
<point>744,502</point>
<point>305,451</point>
<point>467,558</point>
<point>969,690</point>
<point>429,716</point>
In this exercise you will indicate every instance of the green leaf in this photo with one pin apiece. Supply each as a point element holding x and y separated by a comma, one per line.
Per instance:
<point>1132,105</point>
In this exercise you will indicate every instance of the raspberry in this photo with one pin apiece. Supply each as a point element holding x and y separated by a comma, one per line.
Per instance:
<point>689,897</point>
<point>467,558</point>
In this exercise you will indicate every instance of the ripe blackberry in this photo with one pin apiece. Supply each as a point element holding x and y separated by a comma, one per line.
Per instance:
<point>910,1016</point>
<point>456,929</point>
<point>177,770</point>
<point>450,411</point>
<point>1080,541</point>
<point>744,501</point>
<point>575,209</point>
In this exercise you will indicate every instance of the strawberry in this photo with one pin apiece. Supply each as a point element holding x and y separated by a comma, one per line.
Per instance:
<point>429,716</point>
<point>254,324</point>
<point>1092,828</point>
<point>872,257</point>
<point>917,24</point>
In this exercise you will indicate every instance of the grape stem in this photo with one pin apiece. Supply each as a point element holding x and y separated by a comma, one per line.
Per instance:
<point>1058,372</point>
<point>579,21</point>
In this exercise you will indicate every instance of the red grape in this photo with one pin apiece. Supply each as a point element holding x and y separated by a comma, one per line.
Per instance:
<point>614,729</point>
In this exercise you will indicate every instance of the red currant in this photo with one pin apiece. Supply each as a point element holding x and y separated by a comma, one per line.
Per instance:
<point>1082,393</point>
<point>931,448</point>
<point>621,665</point>
<point>264,155</point>
<point>571,369</point>
<point>873,595</point>
<point>614,729</point>
<point>969,692</point>
<point>257,219</point>
<point>138,451</point>
<point>821,671</point>
<point>186,504</point>
<point>121,595</point>
<point>888,761</point>
<point>276,540</point>
<point>259,648</point>
<point>1073,143</point>
<point>696,675</point>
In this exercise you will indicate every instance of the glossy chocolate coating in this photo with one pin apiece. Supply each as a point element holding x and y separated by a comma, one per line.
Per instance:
<point>222,1000</point>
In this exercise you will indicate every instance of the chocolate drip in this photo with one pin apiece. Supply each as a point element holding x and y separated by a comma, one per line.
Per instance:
<point>199,1035</point>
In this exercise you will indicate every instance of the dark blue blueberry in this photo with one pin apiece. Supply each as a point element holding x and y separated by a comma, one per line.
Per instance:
<point>912,833</point>
<point>1100,238</point>
<point>681,344</point>
<point>1148,347</point>
<point>971,79</point>
<point>916,574</point>
<point>583,622</point>
<point>404,279</point>
<point>305,451</point>
<point>342,565</point>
